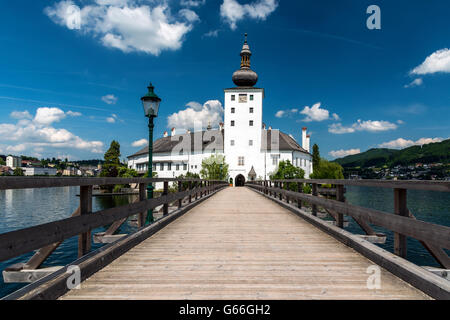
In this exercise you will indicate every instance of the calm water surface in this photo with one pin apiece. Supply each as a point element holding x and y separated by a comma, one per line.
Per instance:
<point>25,208</point>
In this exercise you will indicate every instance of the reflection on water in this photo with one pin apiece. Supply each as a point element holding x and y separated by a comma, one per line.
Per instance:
<point>29,207</point>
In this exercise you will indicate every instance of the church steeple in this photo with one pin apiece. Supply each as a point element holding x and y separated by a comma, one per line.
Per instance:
<point>245,77</point>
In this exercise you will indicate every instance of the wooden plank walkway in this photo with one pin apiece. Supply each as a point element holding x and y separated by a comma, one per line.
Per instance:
<point>240,245</point>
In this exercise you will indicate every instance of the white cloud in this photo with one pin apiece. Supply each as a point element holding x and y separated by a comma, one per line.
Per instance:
<point>438,61</point>
<point>39,134</point>
<point>21,115</point>
<point>140,143</point>
<point>316,113</point>
<point>343,153</point>
<point>338,128</point>
<point>47,116</point>
<point>232,11</point>
<point>197,115</point>
<point>415,83</point>
<point>212,34</point>
<point>125,25</point>
<point>280,114</point>
<point>73,114</point>
<point>192,3</point>
<point>110,99</point>
<point>189,15</point>
<point>369,125</point>
<point>401,143</point>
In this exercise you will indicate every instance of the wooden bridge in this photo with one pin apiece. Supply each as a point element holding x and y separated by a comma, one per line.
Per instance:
<point>256,242</point>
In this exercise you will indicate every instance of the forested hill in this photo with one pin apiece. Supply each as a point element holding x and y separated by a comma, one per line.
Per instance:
<point>429,153</point>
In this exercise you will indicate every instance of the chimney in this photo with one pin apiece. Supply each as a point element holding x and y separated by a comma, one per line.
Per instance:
<point>304,137</point>
<point>188,131</point>
<point>209,127</point>
<point>308,140</point>
<point>221,126</point>
<point>165,134</point>
<point>270,128</point>
<point>264,126</point>
<point>173,132</point>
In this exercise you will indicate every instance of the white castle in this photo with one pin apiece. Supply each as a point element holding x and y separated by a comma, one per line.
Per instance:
<point>251,150</point>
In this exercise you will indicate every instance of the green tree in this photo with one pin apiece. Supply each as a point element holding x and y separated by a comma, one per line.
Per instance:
<point>287,171</point>
<point>316,157</point>
<point>328,170</point>
<point>214,168</point>
<point>112,161</point>
<point>2,162</point>
<point>18,172</point>
<point>188,175</point>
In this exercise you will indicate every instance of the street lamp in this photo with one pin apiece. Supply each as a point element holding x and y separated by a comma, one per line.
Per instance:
<point>150,102</point>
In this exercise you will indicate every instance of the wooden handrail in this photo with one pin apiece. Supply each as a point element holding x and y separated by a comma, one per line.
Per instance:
<point>51,182</point>
<point>21,241</point>
<point>423,231</point>
<point>393,184</point>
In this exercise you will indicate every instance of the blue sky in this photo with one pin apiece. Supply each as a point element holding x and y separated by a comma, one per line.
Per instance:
<point>73,71</point>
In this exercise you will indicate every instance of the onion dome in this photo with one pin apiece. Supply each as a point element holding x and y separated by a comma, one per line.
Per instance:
<point>245,77</point>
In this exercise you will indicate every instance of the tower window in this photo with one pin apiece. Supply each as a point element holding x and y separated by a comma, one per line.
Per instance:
<point>177,167</point>
<point>169,166</point>
<point>232,123</point>
<point>233,110</point>
<point>251,97</point>
<point>185,167</point>
<point>250,142</point>
<point>240,161</point>
<point>232,142</point>
<point>251,110</point>
<point>250,123</point>
<point>233,97</point>
<point>161,167</point>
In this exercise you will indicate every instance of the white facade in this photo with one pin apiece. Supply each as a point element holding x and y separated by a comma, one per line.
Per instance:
<point>32,171</point>
<point>251,150</point>
<point>13,162</point>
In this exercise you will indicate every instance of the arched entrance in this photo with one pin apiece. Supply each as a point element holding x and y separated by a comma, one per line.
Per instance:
<point>239,181</point>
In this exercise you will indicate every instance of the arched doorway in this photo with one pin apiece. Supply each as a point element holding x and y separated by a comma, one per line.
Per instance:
<point>240,181</point>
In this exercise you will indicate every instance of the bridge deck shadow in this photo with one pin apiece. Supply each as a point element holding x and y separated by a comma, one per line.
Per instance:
<point>240,245</point>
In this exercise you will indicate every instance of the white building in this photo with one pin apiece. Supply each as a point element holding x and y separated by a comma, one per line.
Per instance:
<point>251,150</point>
<point>13,162</point>
<point>37,171</point>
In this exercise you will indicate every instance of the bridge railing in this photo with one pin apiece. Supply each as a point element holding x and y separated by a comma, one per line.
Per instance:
<point>45,238</point>
<point>435,238</point>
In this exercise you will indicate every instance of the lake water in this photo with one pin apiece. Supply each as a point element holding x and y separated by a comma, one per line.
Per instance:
<point>29,207</point>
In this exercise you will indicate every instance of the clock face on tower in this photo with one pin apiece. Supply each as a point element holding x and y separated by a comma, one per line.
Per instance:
<point>242,98</point>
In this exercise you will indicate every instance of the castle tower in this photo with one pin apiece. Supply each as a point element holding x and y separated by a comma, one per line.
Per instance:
<point>243,120</point>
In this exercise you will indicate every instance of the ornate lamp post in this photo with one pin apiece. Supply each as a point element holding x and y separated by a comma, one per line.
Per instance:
<point>150,102</point>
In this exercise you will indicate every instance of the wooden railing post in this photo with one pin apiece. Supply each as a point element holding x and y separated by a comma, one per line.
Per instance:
<point>142,197</point>
<point>84,239</point>
<point>314,193</point>
<point>299,190</point>
<point>190,189</point>
<point>165,193</point>
<point>180,189</point>
<point>280,186</point>
<point>340,197</point>
<point>400,208</point>
<point>286,185</point>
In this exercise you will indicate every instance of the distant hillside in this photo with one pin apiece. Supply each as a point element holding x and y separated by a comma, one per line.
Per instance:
<point>429,153</point>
